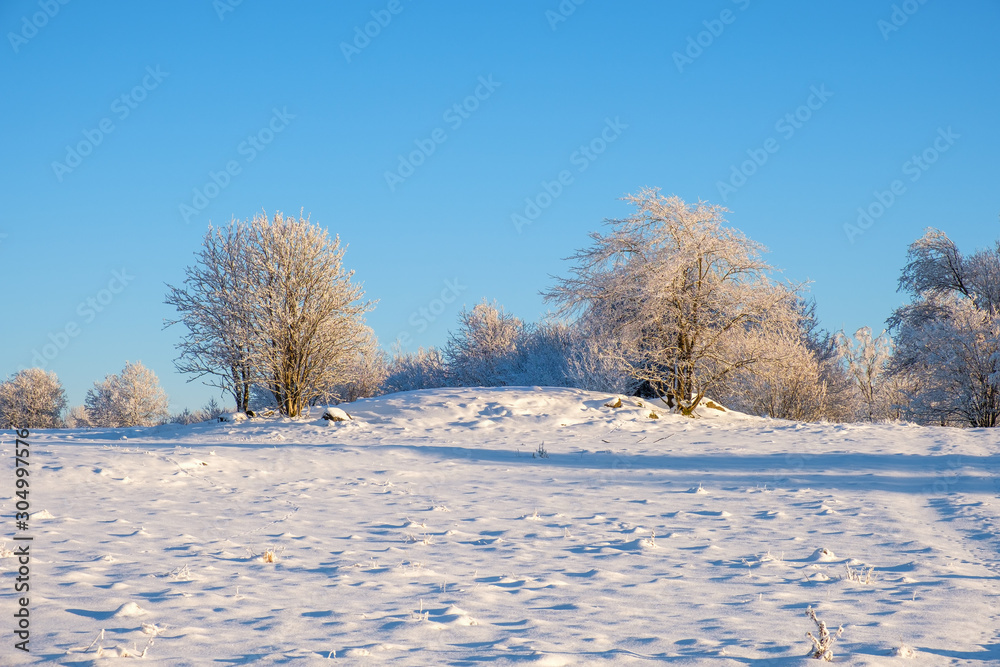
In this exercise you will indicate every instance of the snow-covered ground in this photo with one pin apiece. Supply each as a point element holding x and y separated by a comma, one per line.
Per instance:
<point>425,532</point>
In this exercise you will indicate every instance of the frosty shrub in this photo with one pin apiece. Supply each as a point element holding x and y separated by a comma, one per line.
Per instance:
<point>799,377</point>
<point>185,417</point>
<point>364,378</point>
<point>211,412</point>
<point>77,417</point>
<point>492,348</point>
<point>32,398</point>
<point>130,398</point>
<point>540,357</point>
<point>495,349</point>
<point>596,363</point>
<point>786,385</point>
<point>881,395</point>
<point>481,352</point>
<point>947,339</point>
<point>567,355</point>
<point>822,648</point>
<point>682,294</point>
<point>269,303</point>
<point>408,371</point>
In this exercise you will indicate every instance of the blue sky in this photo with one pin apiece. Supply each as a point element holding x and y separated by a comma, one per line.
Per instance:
<point>128,128</point>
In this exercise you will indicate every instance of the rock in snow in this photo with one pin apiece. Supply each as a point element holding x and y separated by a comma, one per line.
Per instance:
<point>336,415</point>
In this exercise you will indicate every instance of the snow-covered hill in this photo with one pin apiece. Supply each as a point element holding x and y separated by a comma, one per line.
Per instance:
<point>432,530</point>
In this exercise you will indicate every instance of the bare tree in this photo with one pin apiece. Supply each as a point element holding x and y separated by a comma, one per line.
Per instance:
<point>130,398</point>
<point>32,398</point>
<point>682,293</point>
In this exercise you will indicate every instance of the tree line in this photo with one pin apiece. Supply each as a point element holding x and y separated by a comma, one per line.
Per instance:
<point>668,302</point>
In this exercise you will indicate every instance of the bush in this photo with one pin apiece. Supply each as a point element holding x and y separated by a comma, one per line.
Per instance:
<point>32,398</point>
<point>130,398</point>
<point>494,349</point>
<point>408,371</point>
<point>481,353</point>
<point>211,412</point>
<point>365,376</point>
<point>77,417</point>
<point>799,376</point>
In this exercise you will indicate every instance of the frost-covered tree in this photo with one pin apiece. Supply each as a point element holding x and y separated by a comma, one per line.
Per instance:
<point>948,337</point>
<point>558,354</point>
<point>216,305</point>
<point>866,358</point>
<point>936,267</point>
<point>130,398</point>
<point>269,303</point>
<point>32,398</point>
<point>212,410</point>
<point>310,323</point>
<point>683,294</point>
<point>950,360</point>
<point>479,353</point>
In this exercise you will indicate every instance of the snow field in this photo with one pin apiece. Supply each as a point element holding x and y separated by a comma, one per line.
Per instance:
<point>424,532</point>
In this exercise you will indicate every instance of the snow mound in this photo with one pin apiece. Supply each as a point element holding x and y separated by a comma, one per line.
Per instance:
<point>128,610</point>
